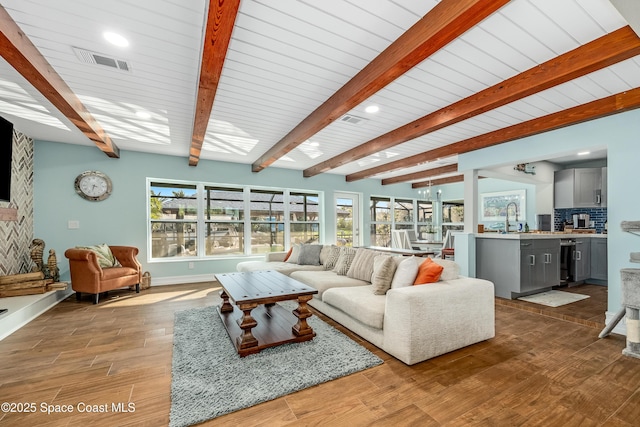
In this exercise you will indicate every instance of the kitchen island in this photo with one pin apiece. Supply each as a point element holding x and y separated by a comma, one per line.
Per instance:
<point>521,264</point>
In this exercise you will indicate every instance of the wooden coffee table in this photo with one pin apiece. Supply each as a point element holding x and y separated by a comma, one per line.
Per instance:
<point>255,321</point>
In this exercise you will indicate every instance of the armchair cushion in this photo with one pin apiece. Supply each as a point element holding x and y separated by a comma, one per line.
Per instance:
<point>105,257</point>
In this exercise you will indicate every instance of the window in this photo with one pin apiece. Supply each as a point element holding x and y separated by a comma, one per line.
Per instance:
<point>452,216</point>
<point>224,215</point>
<point>403,214</point>
<point>380,208</point>
<point>425,219</point>
<point>207,220</point>
<point>173,220</point>
<point>267,221</point>
<point>389,213</point>
<point>305,218</point>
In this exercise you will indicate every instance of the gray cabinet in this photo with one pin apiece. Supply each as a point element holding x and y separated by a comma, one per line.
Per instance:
<point>599,266</point>
<point>578,188</point>
<point>582,257</point>
<point>518,267</point>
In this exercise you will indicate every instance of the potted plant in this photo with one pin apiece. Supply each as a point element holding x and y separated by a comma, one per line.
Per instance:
<point>429,233</point>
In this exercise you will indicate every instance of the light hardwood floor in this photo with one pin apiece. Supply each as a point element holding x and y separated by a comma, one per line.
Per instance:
<point>538,370</point>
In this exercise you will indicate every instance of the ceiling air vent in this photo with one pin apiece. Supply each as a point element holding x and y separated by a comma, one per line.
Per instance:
<point>101,59</point>
<point>354,120</point>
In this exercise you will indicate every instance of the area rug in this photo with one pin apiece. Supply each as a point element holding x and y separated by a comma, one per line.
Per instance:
<point>554,298</point>
<point>209,379</point>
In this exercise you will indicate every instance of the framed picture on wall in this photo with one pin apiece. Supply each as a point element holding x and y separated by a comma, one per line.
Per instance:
<point>494,205</point>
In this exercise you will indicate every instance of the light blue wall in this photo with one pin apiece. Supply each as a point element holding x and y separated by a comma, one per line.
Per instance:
<point>491,185</point>
<point>121,219</point>
<point>620,134</point>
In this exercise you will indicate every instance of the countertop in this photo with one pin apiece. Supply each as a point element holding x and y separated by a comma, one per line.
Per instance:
<point>526,236</point>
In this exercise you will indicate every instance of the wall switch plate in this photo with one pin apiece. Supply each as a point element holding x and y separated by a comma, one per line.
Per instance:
<point>73,224</point>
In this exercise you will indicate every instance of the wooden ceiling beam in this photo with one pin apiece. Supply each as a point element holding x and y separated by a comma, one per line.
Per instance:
<point>599,108</point>
<point>422,174</point>
<point>220,21</point>
<point>444,23</point>
<point>607,50</point>
<point>26,59</point>
<point>441,181</point>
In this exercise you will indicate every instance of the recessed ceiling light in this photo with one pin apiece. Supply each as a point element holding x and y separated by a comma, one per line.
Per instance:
<point>115,39</point>
<point>584,153</point>
<point>372,109</point>
<point>143,115</point>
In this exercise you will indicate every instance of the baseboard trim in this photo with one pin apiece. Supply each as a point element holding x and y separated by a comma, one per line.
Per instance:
<point>176,280</point>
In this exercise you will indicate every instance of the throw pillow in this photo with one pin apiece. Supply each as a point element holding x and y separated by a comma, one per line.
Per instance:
<point>332,259</point>
<point>451,269</point>
<point>104,255</point>
<point>295,253</point>
<point>362,265</point>
<point>428,272</point>
<point>309,255</point>
<point>324,253</point>
<point>288,255</point>
<point>344,260</point>
<point>383,268</point>
<point>405,273</point>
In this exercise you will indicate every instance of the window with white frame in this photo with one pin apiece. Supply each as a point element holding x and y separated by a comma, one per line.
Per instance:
<point>390,213</point>
<point>199,220</point>
<point>381,221</point>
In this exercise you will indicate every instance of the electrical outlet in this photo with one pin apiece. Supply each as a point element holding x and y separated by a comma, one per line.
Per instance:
<point>191,265</point>
<point>73,224</point>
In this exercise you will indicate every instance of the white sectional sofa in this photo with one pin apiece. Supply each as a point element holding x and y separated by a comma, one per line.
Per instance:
<point>413,323</point>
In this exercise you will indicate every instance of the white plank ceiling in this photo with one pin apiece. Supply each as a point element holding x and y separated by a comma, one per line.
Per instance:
<point>285,59</point>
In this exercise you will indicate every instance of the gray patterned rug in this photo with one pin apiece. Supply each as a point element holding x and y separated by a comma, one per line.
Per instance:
<point>209,379</point>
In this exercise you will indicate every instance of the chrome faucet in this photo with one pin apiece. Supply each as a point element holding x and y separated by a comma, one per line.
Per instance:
<point>506,225</point>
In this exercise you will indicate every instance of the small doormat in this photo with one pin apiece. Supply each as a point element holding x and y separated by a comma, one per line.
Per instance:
<point>554,298</point>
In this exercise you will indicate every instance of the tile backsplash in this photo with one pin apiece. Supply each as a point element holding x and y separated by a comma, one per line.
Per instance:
<point>597,215</point>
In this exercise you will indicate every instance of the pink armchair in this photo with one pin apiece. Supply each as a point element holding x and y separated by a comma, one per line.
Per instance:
<point>88,277</point>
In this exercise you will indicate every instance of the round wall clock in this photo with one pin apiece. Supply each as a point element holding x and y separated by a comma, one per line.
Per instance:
<point>93,186</point>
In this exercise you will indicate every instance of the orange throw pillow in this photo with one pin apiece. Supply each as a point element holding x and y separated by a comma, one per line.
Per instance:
<point>428,272</point>
<point>288,254</point>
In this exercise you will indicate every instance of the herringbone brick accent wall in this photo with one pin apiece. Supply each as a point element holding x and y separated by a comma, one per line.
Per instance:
<point>16,236</point>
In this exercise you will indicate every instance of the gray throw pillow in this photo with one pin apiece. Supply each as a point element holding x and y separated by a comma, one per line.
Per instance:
<point>309,255</point>
<point>384,266</point>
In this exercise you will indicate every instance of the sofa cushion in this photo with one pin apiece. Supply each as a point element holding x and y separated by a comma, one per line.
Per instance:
<point>323,280</point>
<point>406,272</point>
<point>451,269</point>
<point>332,258</point>
<point>344,260</point>
<point>282,267</point>
<point>428,272</point>
<point>358,302</point>
<point>309,255</point>
<point>384,267</point>
<point>362,264</point>
<point>116,272</point>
